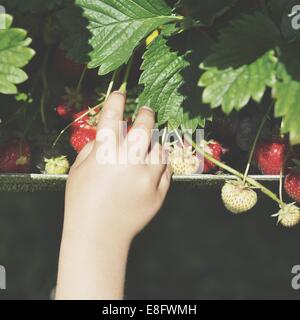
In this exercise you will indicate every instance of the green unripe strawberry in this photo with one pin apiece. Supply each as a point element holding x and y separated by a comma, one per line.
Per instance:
<point>58,165</point>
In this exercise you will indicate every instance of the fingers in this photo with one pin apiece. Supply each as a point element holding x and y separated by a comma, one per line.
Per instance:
<point>158,164</point>
<point>165,182</point>
<point>141,131</point>
<point>83,155</point>
<point>111,116</point>
<point>157,161</point>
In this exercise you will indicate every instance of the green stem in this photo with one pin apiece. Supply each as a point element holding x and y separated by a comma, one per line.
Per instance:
<point>236,173</point>
<point>45,93</point>
<point>111,84</point>
<point>262,124</point>
<point>79,86</point>
<point>42,110</point>
<point>281,184</point>
<point>123,87</point>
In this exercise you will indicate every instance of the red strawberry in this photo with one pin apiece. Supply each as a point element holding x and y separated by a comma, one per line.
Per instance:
<point>215,149</point>
<point>65,111</point>
<point>271,156</point>
<point>71,102</point>
<point>86,118</point>
<point>66,66</point>
<point>15,156</point>
<point>292,185</point>
<point>83,129</point>
<point>80,137</point>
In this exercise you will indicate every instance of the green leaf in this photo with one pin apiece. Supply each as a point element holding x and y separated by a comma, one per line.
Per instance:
<point>198,46</point>
<point>74,35</point>
<point>287,93</point>
<point>238,70</point>
<point>14,55</point>
<point>205,11</point>
<point>244,41</point>
<point>162,79</point>
<point>288,107</point>
<point>170,77</point>
<point>118,26</point>
<point>233,88</point>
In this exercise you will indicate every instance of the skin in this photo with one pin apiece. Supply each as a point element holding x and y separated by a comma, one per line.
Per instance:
<point>107,205</point>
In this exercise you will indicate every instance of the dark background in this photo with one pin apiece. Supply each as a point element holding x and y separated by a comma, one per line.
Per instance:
<point>194,249</point>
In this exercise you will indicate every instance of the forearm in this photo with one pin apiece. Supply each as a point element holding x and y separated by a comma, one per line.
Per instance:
<point>107,204</point>
<point>92,266</point>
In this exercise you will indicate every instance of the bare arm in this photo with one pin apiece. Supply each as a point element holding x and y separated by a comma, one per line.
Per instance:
<point>107,204</point>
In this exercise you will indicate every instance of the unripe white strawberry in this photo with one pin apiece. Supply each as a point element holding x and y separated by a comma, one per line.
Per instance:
<point>288,216</point>
<point>58,165</point>
<point>182,161</point>
<point>238,197</point>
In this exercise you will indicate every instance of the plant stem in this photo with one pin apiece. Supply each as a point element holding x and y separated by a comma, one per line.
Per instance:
<point>111,84</point>
<point>255,141</point>
<point>123,87</point>
<point>42,110</point>
<point>45,93</point>
<point>236,173</point>
<point>164,136</point>
<point>79,86</point>
<point>280,184</point>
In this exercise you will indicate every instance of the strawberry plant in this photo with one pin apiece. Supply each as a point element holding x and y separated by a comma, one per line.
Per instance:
<point>230,67</point>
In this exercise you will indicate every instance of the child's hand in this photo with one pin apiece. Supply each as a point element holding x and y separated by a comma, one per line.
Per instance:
<point>118,198</point>
<point>107,204</point>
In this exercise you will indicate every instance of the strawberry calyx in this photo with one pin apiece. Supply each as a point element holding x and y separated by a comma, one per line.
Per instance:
<point>87,118</point>
<point>74,98</point>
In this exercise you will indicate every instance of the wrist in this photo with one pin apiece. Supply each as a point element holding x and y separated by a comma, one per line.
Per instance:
<point>98,232</point>
<point>92,266</point>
